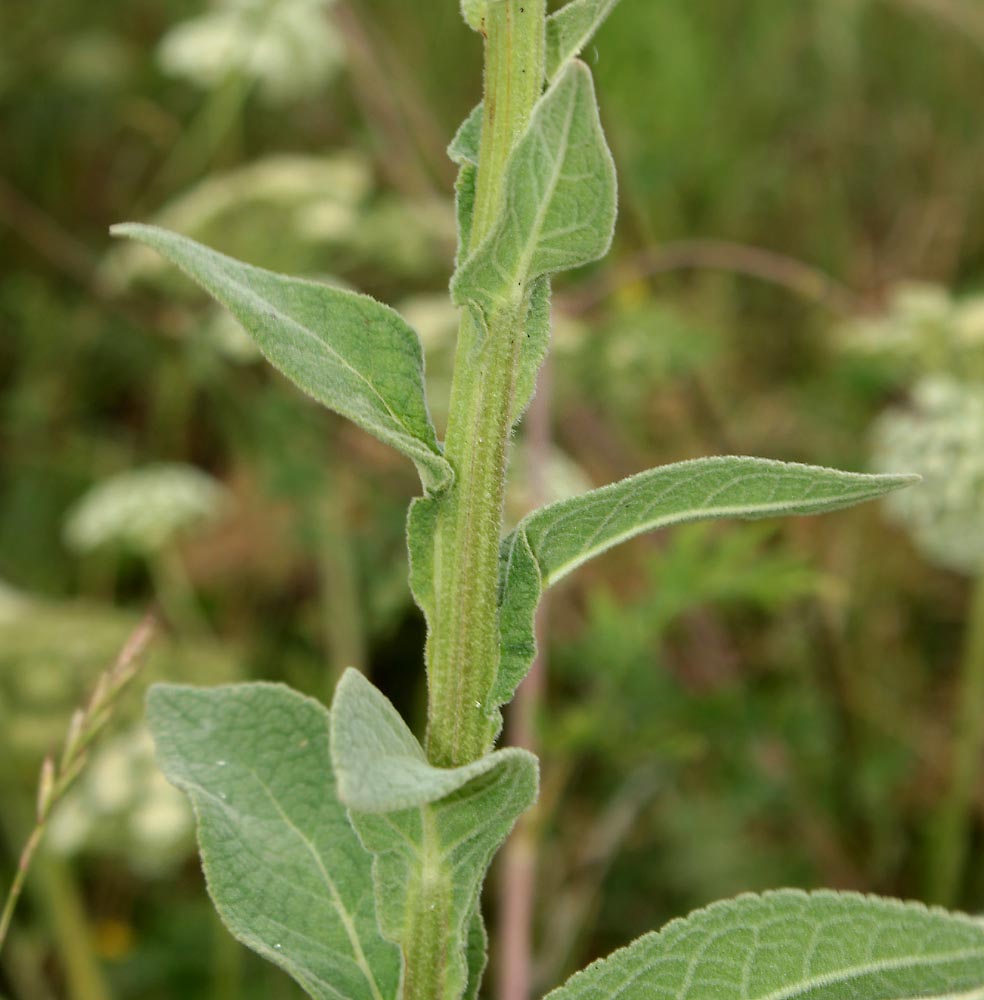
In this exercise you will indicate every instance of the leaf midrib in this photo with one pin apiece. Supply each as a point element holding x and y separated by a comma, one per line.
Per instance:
<point>804,986</point>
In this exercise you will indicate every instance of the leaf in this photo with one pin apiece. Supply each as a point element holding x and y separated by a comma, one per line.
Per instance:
<point>421,531</point>
<point>351,353</point>
<point>284,867</point>
<point>464,152</point>
<point>551,542</point>
<point>433,831</point>
<point>476,953</point>
<point>464,148</point>
<point>465,193</point>
<point>473,12</point>
<point>559,200</point>
<point>788,944</point>
<point>571,28</point>
<point>534,349</point>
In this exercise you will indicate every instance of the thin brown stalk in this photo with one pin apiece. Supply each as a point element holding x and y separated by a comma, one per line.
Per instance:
<point>735,258</point>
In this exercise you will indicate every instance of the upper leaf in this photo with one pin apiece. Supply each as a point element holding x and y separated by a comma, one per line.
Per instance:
<point>786,945</point>
<point>433,831</point>
<point>348,351</point>
<point>571,28</point>
<point>559,200</point>
<point>284,867</point>
<point>552,541</point>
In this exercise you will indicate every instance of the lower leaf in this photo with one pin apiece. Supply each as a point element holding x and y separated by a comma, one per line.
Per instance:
<point>284,867</point>
<point>789,944</point>
<point>433,832</point>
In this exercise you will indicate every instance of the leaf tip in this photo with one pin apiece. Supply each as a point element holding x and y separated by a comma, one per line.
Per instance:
<point>125,230</point>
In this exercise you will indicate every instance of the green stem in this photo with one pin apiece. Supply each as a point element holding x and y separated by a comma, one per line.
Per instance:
<point>951,841</point>
<point>463,648</point>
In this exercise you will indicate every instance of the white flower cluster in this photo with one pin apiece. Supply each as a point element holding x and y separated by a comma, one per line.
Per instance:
<point>942,438</point>
<point>144,509</point>
<point>924,326</point>
<point>289,48</point>
<point>122,801</point>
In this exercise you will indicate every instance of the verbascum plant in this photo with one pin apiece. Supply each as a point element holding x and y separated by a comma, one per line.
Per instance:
<point>336,843</point>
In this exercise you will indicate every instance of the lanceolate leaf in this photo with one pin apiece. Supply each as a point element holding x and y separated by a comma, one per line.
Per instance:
<point>571,28</point>
<point>284,867</point>
<point>559,200</point>
<point>551,542</point>
<point>348,351</point>
<point>433,831</point>
<point>788,945</point>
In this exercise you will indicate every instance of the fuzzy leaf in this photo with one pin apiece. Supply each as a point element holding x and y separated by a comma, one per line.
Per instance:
<point>476,953</point>
<point>473,12</point>
<point>284,867</point>
<point>465,193</point>
<point>421,530</point>
<point>535,347</point>
<point>464,148</point>
<point>551,542</point>
<point>559,199</point>
<point>787,945</point>
<point>351,353</point>
<point>571,28</point>
<point>432,830</point>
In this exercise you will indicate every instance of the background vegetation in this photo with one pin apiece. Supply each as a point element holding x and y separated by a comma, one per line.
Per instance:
<point>800,245</point>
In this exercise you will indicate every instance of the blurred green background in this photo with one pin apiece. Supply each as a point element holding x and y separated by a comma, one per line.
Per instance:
<point>797,274</point>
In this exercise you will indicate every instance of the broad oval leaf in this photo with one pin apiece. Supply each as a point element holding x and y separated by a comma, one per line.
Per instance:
<point>433,831</point>
<point>551,542</point>
<point>288,875</point>
<point>787,945</point>
<point>351,353</point>
<point>559,201</point>
<point>571,28</point>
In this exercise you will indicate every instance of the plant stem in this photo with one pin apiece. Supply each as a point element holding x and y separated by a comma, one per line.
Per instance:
<point>949,845</point>
<point>463,648</point>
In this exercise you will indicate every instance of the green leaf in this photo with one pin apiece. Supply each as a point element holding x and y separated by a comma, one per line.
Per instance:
<point>464,152</point>
<point>464,148</point>
<point>571,28</point>
<point>284,867</point>
<point>351,353</point>
<point>433,831</point>
<point>786,945</point>
<point>534,349</point>
<point>421,530</point>
<point>465,193</point>
<point>551,542</point>
<point>473,12</point>
<point>559,202</point>
<point>476,953</point>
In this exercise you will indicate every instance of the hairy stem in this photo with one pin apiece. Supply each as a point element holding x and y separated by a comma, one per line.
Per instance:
<point>463,648</point>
